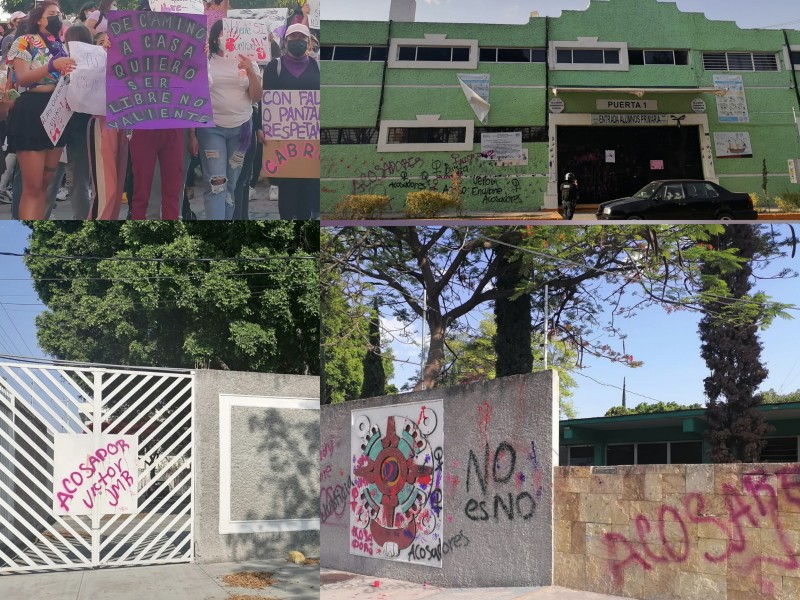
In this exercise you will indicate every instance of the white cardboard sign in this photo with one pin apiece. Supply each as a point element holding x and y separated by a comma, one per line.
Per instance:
<point>186,7</point>
<point>246,37</point>
<point>95,473</point>
<point>313,15</point>
<point>86,92</point>
<point>57,113</point>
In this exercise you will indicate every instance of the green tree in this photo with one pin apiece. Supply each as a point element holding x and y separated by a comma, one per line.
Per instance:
<point>773,397</point>
<point>732,351</point>
<point>374,374</point>
<point>645,408</point>
<point>180,310</point>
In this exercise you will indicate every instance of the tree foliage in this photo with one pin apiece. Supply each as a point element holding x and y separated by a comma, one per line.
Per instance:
<point>732,351</point>
<point>230,314</point>
<point>645,408</point>
<point>596,276</point>
<point>773,397</point>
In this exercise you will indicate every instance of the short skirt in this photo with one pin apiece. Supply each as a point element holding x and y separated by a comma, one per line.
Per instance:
<point>25,129</point>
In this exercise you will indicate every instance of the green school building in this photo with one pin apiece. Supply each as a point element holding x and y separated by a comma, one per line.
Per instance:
<point>622,93</point>
<point>675,437</point>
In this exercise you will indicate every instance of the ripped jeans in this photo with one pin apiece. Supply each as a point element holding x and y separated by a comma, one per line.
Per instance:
<point>219,151</point>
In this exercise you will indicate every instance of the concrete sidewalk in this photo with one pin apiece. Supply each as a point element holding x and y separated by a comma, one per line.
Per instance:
<point>163,582</point>
<point>338,585</point>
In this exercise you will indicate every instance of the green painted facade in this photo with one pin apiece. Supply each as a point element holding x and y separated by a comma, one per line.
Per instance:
<point>519,96</point>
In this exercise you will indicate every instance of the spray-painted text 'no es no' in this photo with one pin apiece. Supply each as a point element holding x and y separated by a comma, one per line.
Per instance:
<point>94,473</point>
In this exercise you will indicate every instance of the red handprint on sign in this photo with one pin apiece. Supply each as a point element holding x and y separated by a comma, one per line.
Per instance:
<point>230,43</point>
<point>261,54</point>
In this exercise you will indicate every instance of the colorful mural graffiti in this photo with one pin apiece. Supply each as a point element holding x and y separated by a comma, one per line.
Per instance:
<point>396,503</point>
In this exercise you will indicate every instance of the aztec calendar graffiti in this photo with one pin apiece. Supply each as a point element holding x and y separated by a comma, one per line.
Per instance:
<point>396,507</point>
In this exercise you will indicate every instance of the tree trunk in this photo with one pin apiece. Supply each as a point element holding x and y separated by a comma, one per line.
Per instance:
<point>434,361</point>
<point>513,319</point>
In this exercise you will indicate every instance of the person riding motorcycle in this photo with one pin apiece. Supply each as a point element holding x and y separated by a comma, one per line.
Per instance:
<point>569,195</point>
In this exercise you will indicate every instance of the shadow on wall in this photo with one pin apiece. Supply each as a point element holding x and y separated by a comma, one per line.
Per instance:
<point>285,480</point>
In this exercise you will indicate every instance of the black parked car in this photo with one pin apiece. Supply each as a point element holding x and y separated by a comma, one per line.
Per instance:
<point>680,199</point>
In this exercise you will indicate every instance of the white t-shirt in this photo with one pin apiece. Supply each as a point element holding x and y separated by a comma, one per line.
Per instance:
<point>102,26</point>
<point>230,97</point>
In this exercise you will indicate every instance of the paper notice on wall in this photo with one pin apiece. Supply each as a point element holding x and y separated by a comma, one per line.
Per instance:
<point>611,156</point>
<point>732,107</point>
<point>656,165</point>
<point>505,145</point>
<point>793,170</point>
<point>246,37</point>
<point>476,89</point>
<point>186,7</point>
<point>57,113</point>
<point>729,144</point>
<point>86,92</point>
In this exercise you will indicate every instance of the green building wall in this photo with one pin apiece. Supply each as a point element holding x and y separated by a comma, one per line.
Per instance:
<point>519,95</point>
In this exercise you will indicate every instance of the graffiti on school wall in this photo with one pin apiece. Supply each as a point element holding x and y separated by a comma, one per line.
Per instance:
<point>396,503</point>
<point>750,529</point>
<point>503,480</point>
<point>481,184</point>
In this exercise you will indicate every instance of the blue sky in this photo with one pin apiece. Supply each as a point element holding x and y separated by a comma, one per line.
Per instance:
<point>745,12</point>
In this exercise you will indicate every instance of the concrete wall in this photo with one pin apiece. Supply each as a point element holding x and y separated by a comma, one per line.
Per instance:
<point>500,442</point>
<point>679,532</point>
<point>274,471</point>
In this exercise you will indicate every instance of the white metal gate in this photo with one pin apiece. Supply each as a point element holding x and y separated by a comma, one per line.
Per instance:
<point>38,401</point>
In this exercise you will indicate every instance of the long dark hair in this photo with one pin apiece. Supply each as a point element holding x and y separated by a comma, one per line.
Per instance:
<point>213,38</point>
<point>82,16</point>
<point>104,6</point>
<point>36,14</point>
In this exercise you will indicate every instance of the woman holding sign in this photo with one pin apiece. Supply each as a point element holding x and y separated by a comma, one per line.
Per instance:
<point>39,60</point>
<point>234,87</point>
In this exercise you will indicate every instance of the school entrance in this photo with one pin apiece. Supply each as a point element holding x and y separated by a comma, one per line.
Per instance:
<point>614,162</point>
<point>96,467</point>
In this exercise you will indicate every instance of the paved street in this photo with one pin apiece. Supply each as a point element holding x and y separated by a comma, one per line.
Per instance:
<point>338,585</point>
<point>163,582</point>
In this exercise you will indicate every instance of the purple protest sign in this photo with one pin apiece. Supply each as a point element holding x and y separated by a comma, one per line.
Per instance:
<point>157,74</point>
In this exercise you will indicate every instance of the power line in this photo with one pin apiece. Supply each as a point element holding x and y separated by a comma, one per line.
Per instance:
<point>611,385</point>
<point>158,260</point>
<point>14,325</point>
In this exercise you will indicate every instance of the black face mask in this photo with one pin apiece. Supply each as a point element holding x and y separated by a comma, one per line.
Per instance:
<point>297,48</point>
<point>54,25</point>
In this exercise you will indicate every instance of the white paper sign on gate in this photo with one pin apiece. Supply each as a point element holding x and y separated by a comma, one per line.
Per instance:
<point>86,92</point>
<point>92,473</point>
<point>246,37</point>
<point>185,7</point>
<point>57,113</point>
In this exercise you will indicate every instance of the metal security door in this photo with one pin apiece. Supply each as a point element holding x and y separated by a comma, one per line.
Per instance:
<point>150,408</point>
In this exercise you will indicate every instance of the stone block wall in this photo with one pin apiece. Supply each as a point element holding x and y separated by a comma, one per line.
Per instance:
<point>679,532</point>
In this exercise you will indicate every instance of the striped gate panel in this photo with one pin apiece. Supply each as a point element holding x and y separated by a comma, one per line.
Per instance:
<point>39,401</point>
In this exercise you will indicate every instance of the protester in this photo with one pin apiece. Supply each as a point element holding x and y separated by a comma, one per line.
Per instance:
<point>11,34</point>
<point>215,10</point>
<point>222,148</point>
<point>297,198</point>
<point>83,14</point>
<point>39,60</point>
<point>108,160</point>
<point>97,21</point>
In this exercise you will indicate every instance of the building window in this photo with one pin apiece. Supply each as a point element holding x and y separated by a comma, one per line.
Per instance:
<point>587,57</point>
<point>658,57</point>
<point>779,450</point>
<point>349,135</point>
<point>513,55</point>
<point>740,61</point>
<point>662,453</point>
<point>529,134</point>
<point>434,51</point>
<point>353,53</point>
<point>580,456</point>
<point>426,135</point>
